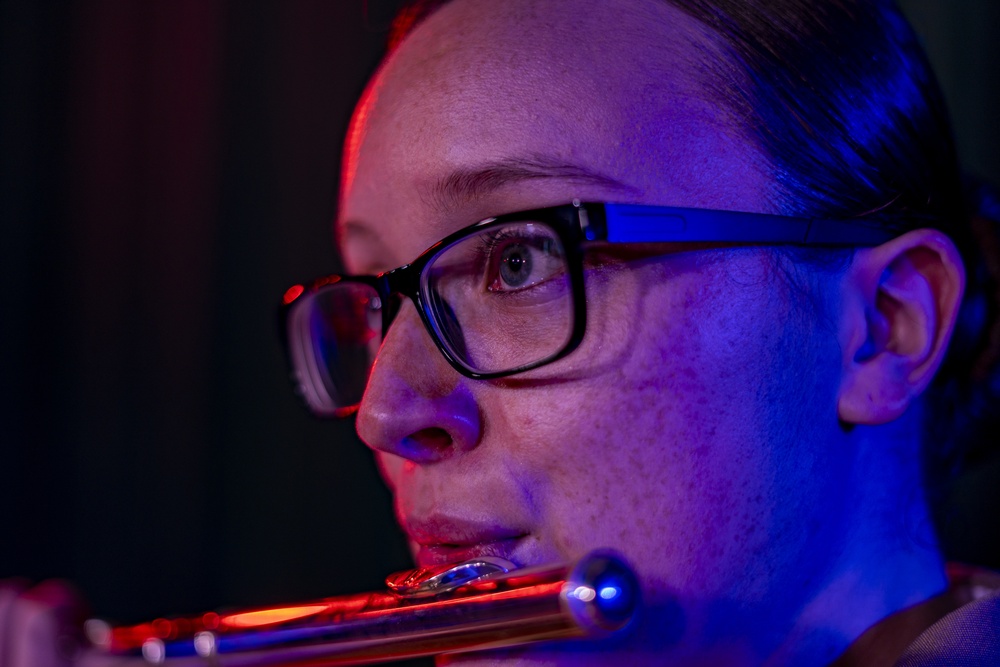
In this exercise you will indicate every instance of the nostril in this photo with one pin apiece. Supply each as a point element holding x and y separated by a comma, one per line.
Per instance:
<point>427,445</point>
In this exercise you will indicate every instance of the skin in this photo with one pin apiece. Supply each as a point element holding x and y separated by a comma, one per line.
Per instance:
<point>700,427</point>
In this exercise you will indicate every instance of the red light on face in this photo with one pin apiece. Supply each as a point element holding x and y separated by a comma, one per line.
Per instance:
<point>253,619</point>
<point>293,293</point>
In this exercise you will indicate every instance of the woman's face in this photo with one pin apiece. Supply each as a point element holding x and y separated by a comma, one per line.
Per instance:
<point>692,428</point>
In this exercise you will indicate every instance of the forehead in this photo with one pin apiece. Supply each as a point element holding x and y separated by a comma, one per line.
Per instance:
<point>492,106</point>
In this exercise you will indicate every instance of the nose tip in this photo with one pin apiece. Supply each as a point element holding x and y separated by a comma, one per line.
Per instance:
<point>416,405</point>
<point>420,428</point>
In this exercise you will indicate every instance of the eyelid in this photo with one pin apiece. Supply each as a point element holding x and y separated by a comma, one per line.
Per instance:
<point>490,239</point>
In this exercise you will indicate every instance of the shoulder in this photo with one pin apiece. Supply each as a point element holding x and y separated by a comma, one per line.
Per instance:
<point>969,635</point>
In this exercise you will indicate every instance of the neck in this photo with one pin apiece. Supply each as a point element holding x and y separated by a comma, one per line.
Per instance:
<point>857,599</point>
<point>891,561</point>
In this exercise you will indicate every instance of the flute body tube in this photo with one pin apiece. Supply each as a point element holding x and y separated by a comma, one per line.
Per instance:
<point>478,605</point>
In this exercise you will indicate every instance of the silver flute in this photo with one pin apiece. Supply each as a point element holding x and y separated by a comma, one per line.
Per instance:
<point>484,603</point>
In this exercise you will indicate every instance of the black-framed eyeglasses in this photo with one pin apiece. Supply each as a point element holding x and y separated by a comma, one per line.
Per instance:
<point>506,294</point>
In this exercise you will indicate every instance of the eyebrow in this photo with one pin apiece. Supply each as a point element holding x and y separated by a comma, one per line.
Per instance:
<point>470,184</point>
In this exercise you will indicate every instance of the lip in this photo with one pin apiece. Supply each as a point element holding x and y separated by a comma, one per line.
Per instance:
<point>428,555</point>
<point>440,539</point>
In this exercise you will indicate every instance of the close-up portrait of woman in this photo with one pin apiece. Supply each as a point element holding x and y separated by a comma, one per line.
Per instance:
<point>670,327</point>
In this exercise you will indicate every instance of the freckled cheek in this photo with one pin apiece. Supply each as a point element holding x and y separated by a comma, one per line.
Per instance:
<point>659,455</point>
<point>688,520</point>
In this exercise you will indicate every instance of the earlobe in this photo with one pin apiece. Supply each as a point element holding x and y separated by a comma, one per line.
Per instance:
<point>899,307</point>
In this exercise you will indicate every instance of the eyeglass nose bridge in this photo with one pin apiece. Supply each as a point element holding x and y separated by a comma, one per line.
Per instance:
<point>405,282</point>
<point>393,286</point>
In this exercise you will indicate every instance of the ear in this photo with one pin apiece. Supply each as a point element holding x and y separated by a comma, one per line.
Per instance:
<point>900,302</point>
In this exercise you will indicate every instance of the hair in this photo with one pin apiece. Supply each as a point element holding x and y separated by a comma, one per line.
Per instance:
<point>841,98</point>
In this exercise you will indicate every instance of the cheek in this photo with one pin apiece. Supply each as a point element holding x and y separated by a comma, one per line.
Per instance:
<point>668,448</point>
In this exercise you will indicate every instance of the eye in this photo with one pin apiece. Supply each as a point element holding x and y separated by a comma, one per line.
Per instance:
<point>523,257</point>
<point>515,265</point>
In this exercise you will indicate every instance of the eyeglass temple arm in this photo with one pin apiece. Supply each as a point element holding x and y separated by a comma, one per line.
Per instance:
<point>632,223</point>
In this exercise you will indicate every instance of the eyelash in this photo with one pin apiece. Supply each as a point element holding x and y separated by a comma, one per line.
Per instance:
<point>489,245</point>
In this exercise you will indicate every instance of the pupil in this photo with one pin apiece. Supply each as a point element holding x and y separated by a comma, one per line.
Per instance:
<point>515,266</point>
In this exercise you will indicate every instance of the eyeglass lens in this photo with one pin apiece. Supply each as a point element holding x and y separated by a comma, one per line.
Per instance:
<point>497,300</point>
<point>334,335</point>
<point>501,299</point>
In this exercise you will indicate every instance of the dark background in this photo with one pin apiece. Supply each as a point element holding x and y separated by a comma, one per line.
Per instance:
<point>168,169</point>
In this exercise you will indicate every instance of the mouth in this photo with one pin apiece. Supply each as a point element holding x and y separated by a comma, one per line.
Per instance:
<point>440,540</point>
<point>443,553</point>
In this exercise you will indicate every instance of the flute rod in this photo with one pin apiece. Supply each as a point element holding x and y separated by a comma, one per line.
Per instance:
<point>598,596</point>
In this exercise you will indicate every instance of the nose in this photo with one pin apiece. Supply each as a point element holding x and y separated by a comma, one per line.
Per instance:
<point>416,405</point>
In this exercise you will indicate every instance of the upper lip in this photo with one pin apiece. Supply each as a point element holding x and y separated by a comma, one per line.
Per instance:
<point>441,539</point>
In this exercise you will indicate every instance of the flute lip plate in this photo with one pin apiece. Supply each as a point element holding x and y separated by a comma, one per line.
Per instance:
<point>440,579</point>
